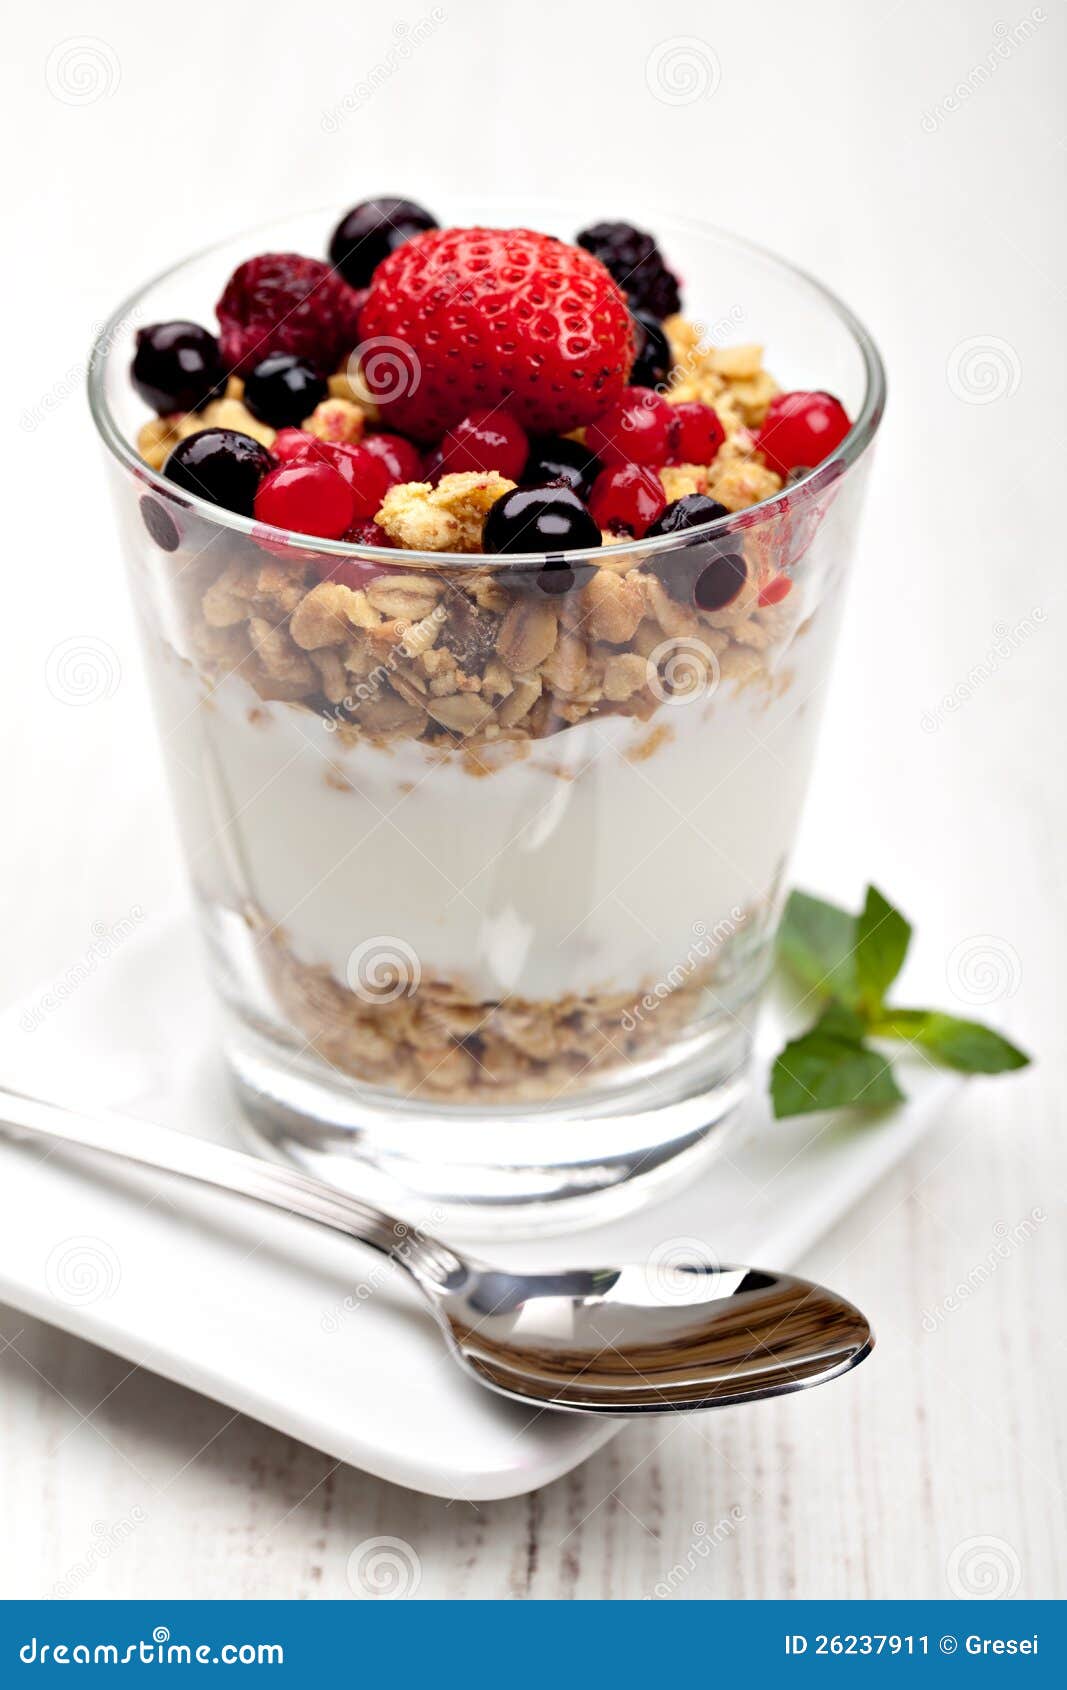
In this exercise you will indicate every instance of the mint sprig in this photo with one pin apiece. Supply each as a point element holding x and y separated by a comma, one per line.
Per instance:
<point>848,963</point>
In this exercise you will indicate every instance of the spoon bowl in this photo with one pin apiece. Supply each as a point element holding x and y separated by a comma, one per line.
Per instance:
<point>627,1340</point>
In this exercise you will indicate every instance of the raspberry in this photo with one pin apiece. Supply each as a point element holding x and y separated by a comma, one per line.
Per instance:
<point>626,500</point>
<point>639,429</point>
<point>398,455</point>
<point>308,498</point>
<point>699,433</point>
<point>485,440</point>
<point>801,429</point>
<point>280,302</point>
<point>480,317</point>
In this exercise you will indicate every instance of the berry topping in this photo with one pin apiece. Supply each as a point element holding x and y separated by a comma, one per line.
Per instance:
<point>367,475</point>
<point>691,511</point>
<point>220,465</point>
<point>698,433</point>
<point>176,366</point>
<point>490,316</point>
<point>160,524</point>
<point>801,429</point>
<point>775,590</point>
<point>539,519</point>
<point>652,366</point>
<point>556,461</point>
<point>367,533</point>
<point>283,390</point>
<point>707,577</point>
<point>290,443</point>
<point>485,440</point>
<point>371,231</point>
<point>308,497</point>
<point>637,265</point>
<point>398,455</point>
<point>627,499</point>
<point>638,429</point>
<point>280,302</point>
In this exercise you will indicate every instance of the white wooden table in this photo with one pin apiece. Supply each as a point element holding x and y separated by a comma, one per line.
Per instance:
<point>116,1484</point>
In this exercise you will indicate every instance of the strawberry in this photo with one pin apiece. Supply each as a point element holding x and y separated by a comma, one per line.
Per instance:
<point>460,320</point>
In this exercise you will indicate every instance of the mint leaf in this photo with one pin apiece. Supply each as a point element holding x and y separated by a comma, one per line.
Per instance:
<point>966,1045</point>
<point>882,936</point>
<point>831,1068</point>
<point>817,942</point>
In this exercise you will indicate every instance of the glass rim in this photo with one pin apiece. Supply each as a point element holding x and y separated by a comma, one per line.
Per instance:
<point>818,480</point>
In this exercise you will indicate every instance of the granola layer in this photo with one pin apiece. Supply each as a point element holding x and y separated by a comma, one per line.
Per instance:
<point>427,1037</point>
<point>466,656</point>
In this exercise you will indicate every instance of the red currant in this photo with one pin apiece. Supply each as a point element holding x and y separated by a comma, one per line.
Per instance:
<point>801,429</point>
<point>699,433</point>
<point>400,457</point>
<point>291,444</point>
<point>627,499</point>
<point>639,429</point>
<point>307,498</point>
<point>775,591</point>
<point>485,440</point>
<point>366,475</point>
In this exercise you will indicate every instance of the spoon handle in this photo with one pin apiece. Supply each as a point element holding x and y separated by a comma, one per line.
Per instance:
<point>213,1164</point>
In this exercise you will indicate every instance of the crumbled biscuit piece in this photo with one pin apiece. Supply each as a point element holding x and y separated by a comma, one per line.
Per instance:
<point>614,606</point>
<point>753,397</point>
<point>446,518</point>
<point>624,674</point>
<point>680,479</point>
<point>228,600</point>
<point>157,439</point>
<point>737,363</point>
<point>233,413</point>
<point>742,483</point>
<point>527,635</point>
<point>327,615</point>
<point>338,420</point>
<point>410,597</point>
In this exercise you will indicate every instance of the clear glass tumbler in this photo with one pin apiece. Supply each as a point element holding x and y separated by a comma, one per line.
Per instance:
<point>489,853</point>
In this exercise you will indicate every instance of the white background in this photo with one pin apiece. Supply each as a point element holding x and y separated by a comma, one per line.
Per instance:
<point>869,145</point>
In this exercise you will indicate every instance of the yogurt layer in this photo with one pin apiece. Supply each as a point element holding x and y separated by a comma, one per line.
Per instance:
<point>588,861</point>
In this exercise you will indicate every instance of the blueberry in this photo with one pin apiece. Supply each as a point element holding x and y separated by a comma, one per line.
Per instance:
<point>705,574</point>
<point>556,461</point>
<point>370,232</point>
<point>636,263</point>
<point>220,465</point>
<point>690,511</point>
<point>176,366</point>
<point>652,366</point>
<point>283,390</point>
<point>160,524</point>
<point>539,519</point>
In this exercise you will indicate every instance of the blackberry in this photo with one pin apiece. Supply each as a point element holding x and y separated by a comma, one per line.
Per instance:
<point>635,261</point>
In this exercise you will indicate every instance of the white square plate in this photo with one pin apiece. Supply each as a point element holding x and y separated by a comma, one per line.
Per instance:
<point>301,1328</point>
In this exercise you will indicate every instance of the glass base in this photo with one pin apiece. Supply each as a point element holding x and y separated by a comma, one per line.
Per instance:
<point>510,1171</point>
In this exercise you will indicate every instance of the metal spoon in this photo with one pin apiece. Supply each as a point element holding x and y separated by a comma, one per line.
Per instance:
<point>614,1340</point>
